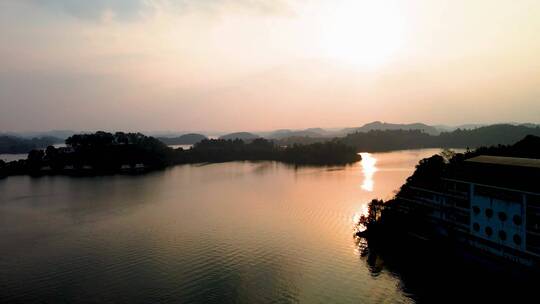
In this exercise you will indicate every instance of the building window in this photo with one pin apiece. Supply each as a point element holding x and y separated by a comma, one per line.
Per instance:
<point>489,212</point>
<point>517,239</point>
<point>502,216</point>
<point>517,220</point>
<point>476,210</point>
<point>476,227</point>
<point>489,231</point>
<point>502,235</point>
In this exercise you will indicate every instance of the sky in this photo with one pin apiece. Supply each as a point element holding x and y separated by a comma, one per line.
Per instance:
<point>235,65</point>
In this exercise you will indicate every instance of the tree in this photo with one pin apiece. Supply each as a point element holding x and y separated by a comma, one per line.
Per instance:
<point>447,155</point>
<point>35,160</point>
<point>375,209</point>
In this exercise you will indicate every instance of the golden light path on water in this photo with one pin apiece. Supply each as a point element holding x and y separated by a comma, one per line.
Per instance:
<point>369,168</point>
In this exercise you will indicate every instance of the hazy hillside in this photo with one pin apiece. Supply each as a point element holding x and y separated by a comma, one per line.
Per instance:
<point>447,128</point>
<point>301,140</point>
<point>280,134</point>
<point>12,144</point>
<point>240,135</point>
<point>59,134</point>
<point>186,139</point>
<point>378,125</point>
<point>502,134</point>
<point>379,140</point>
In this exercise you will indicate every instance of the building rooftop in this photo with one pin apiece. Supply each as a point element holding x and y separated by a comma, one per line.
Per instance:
<point>506,161</point>
<point>520,174</point>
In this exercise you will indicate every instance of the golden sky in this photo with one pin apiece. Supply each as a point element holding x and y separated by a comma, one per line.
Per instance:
<point>235,65</point>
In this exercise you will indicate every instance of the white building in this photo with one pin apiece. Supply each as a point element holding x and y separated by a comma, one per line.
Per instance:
<point>491,203</point>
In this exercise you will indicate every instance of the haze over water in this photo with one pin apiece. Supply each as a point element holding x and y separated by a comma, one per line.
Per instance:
<point>233,232</point>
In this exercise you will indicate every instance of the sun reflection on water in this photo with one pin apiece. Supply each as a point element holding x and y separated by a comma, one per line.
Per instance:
<point>363,211</point>
<point>368,169</point>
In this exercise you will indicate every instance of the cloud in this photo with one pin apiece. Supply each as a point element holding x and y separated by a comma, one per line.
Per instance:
<point>94,9</point>
<point>131,9</point>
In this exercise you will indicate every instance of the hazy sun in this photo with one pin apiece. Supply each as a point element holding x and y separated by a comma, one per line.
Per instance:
<point>361,32</point>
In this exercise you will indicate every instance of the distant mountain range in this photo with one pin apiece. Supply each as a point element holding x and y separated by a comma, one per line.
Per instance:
<point>388,140</point>
<point>281,136</point>
<point>377,126</point>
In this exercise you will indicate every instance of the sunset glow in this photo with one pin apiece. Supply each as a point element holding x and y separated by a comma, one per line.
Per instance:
<point>363,33</point>
<point>166,65</point>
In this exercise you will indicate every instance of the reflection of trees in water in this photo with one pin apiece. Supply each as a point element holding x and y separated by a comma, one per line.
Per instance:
<point>441,276</point>
<point>374,262</point>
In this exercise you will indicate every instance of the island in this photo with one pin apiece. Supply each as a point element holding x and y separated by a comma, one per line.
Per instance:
<point>108,153</point>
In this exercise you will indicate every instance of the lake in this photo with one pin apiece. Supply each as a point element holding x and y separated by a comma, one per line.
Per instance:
<point>238,232</point>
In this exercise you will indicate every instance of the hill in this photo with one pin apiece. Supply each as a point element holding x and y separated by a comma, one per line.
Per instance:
<point>12,144</point>
<point>60,134</point>
<point>186,139</point>
<point>281,134</point>
<point>382,126</point>
<point>387,140</point>
<point>246,136</point>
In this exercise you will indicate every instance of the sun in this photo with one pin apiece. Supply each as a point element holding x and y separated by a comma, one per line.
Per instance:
<point>361,32</point>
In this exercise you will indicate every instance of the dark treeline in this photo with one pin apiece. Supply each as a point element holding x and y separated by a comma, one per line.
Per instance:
<point>387,140</point>
<point>106,153</point>
<point>221,150</point>
<point>330,152</point>
<point>12,144</point>
<point>301,140</point>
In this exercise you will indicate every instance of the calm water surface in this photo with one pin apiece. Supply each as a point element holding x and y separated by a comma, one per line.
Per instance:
<point>237,232</point>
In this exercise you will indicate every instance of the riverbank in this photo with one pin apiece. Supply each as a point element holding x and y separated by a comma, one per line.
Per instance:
<point>472,204</point>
